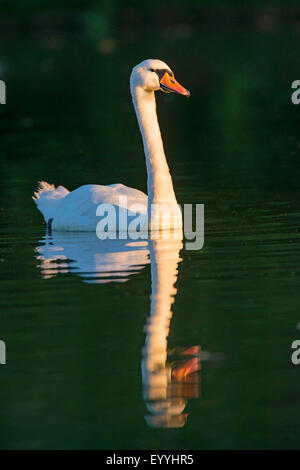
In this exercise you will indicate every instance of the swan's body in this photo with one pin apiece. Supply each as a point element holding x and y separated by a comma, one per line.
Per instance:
<point>76,210</point>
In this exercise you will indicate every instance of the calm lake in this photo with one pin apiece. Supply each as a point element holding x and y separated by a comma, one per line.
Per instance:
<point>78,315</point>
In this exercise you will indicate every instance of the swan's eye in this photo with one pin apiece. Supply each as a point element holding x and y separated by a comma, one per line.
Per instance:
<point>152,70</point>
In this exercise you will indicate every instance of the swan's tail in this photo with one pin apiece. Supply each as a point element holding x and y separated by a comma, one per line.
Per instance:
<point>48,197</point>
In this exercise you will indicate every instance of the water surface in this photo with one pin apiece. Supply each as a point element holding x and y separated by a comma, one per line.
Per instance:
<point>75,315</point>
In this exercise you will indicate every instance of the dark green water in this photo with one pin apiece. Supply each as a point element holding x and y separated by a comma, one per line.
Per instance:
<point>74,348</point>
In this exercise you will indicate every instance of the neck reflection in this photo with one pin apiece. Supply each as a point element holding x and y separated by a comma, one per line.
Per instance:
<point>169,377</point>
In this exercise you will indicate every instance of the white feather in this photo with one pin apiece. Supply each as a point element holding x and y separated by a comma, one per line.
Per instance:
<point>76,210</point>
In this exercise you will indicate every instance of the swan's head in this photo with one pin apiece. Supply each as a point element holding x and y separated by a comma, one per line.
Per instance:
<point>153,75</point>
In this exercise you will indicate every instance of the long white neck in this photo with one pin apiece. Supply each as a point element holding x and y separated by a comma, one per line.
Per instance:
<point>159,181</point>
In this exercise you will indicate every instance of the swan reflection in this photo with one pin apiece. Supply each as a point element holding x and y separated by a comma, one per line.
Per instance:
<point>96,261</point>
<point>169,378</point>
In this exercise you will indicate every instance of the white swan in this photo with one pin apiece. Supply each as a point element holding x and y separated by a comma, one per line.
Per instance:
<point>76,210</point>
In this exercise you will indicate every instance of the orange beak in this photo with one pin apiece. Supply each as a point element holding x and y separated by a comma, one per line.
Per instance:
<point>168,84</point>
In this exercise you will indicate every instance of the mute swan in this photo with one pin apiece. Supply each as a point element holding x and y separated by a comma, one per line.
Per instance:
<point>76,210</point>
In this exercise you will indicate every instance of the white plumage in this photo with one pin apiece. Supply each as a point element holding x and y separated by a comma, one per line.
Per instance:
<point>76,210</point>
